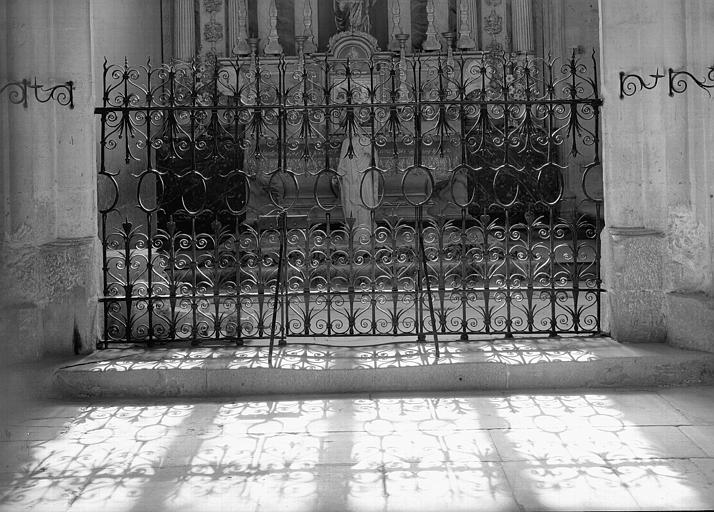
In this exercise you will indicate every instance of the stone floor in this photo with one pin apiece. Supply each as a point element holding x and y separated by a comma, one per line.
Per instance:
<point>593,449</point>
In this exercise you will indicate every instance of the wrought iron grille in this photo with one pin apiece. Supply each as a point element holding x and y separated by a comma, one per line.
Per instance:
<point>317,196</point>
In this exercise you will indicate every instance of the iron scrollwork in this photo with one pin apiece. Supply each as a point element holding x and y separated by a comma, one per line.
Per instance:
<point>678,81</point>
<point>630,83</point>
<point>416,194</point>
<point>18,92</point>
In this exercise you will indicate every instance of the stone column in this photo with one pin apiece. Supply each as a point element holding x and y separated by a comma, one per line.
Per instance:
<point>395,24</point>
<point>273,46</point>
<point>644,141</point>
<point>466,41</point>
<point>522,25</point>
<point>237,31</point>
<point>554,28</point>
<point>184,30</point>
<point>306,24</point>
<point>49,247</point>
<point>431,42</point>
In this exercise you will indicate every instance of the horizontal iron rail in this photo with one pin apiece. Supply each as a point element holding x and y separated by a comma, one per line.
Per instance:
<point>345,106</point>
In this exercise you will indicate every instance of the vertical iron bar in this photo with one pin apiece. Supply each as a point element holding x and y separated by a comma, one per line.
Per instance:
<point>464,292</point>
<point>278,280</point>
<point>395,279</point>
<point>529,218</point>
<point>216,278</point>
<point>149,166</point>
<point>551,271</point>
<point>103,171</point>
<point>373,262</point>
<point>128,286</point>
<point>598,280</point>
<point>238,276</point>
<point>575,272</point>
<point>507,257</point>
<point>307,278</point>
<point>486,273</point>
<point>328,262</point>
<point>426,279</point>
<point>285,304</point>
<point>418,298</point>
<point>238,135</point>
<point>441,280</point>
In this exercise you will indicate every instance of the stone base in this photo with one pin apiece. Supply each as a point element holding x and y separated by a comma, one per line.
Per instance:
<point>635,316</point>
<point>576,362</point>
<point>49,303</point>
<point>632,263</point>
<point>690,321</point>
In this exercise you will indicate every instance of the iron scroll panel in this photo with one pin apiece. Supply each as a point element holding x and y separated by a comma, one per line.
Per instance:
<point>470,180</point>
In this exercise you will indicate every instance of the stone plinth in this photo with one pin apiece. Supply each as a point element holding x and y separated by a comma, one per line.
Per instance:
<point>634,278</point>
<point>690,321</point>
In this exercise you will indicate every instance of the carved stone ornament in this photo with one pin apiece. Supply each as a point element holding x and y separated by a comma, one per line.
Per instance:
<point>212,5</point>
<point>353,45</point>
<point>493,23</point>
<point>212,31</point>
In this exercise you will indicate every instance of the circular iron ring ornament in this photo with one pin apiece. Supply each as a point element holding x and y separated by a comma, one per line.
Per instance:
<point>428,188</point>
<point>241,178</point>
<point>286,179</point>
<point>464,170</point>
<point>159,189</point>
<point>544,171</point>
<point>114,187</point>
<point>505,172</point>
<point>369,171</point>
<point>327,174</point>
<point>583,181</point>
<point>197,194</point>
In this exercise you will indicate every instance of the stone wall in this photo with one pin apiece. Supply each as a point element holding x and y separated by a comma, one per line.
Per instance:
<point>657,158</point>
<point>50,257</point>
<point>49,264</point>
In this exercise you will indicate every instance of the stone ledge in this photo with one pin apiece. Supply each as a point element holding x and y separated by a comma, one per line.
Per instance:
<point>407,367</point>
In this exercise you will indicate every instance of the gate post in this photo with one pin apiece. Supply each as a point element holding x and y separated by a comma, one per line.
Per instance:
<point>644,161</point>
<point>48,254</point>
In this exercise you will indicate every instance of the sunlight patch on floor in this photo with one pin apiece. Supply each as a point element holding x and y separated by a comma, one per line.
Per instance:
<point>448,453</point>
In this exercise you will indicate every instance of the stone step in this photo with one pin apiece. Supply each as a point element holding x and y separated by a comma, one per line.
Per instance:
<point>356,365</point>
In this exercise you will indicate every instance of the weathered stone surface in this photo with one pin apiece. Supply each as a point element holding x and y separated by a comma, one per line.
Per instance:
<point>690,321</point>
<point>687,254</point>
<point>49,303</point>
<point>633,279</point>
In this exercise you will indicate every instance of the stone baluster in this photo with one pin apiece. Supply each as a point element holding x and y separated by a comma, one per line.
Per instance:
<point>396,26</point>
<point>431,43</point>
<point>465,41</point>
<point>237,27</point>
<point>309,46</point>
<point>273,46</point>
<point>184,30</point>
<point>403,91</point>
<point>522,26</point>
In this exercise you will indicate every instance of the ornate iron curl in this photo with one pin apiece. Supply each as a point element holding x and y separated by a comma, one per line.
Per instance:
<point>678,81</point>
<point>629,81</point>
<point>18,92</point>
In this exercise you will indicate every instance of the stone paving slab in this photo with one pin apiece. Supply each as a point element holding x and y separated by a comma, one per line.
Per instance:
<point>590,449</point>
<point>565,362</point>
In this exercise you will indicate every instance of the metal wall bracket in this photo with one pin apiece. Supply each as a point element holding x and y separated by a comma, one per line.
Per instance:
<point>19,92</point>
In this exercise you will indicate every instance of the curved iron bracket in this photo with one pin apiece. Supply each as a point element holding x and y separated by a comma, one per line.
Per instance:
<point>18,92</point>
<point>678,81</point>
<point>630,83</point>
